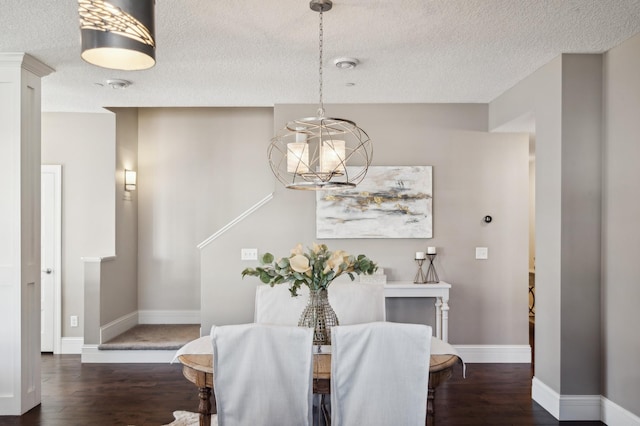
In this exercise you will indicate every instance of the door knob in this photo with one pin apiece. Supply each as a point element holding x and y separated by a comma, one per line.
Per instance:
<point>47,271</point>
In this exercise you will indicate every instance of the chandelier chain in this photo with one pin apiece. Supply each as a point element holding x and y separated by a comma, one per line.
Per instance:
<point>321,32</point>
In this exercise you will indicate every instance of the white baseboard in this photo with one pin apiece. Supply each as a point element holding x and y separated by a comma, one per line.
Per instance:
<point>71,345</point>
<point>168,317</point>
<point>615,415</point>
<point>91,354</point>
<point>118,326</point>
<point>514,354</point>
<point>581,407</point>
<point>546,397</point>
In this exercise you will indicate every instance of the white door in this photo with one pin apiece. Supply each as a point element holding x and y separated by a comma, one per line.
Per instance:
<point>50,258</point>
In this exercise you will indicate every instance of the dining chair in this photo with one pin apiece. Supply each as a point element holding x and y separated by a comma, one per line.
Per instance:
<point>274,305</point>
<point>357,303</point>
<point>353,303</point>
<point>263,375</point>
<point>380,374</point>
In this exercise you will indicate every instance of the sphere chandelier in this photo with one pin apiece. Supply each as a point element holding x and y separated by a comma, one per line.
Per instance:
<point>320,153</point>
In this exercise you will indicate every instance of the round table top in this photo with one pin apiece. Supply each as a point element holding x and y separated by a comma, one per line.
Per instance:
<point>204,363</point>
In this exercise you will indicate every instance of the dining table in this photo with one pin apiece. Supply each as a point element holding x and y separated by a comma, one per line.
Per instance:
<point>197,366</point>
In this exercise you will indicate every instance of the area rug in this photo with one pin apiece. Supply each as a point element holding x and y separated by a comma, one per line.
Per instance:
<point>186,418</point>
<point>154,337</point>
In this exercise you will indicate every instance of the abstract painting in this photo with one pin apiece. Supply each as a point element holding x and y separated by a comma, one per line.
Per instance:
<point>391,202</point>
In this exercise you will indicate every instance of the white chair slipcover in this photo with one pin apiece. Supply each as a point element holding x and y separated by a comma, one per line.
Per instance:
<point>353,303</point>
<point>380,374</point>
<point>274,305</point>
<point>357,303</point>
<point>263,375</point>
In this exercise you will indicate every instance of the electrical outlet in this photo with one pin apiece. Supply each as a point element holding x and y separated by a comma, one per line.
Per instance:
<point>74,320</point>
<point>482,253</point>
<point>249,254</point>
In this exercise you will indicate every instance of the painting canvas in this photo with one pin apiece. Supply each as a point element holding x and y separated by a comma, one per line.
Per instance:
<point>391,202</point>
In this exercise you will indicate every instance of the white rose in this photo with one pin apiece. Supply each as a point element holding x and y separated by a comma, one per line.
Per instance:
<point>336,259</point>
<point>299,263</point>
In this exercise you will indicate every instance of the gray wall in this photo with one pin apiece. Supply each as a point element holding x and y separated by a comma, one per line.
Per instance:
<point>565,97</point>
<point>84,145</point>
<point>198,169</point>
<point>120,295</point>
<point>581,223</point>
<point>475,174</point>
<point>621,229</point>
<point>539,95</point>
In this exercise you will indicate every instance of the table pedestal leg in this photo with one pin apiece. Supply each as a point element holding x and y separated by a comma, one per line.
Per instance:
<point>205,406</point>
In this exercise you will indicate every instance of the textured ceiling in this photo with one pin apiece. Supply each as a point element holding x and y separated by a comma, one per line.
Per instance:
<point>257,53</point>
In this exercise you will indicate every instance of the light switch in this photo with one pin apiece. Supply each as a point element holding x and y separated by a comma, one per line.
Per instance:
<point>249,254</point>
<point>482,253</point>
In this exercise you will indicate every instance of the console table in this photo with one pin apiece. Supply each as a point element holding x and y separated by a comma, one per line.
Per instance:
<point>439,291</point>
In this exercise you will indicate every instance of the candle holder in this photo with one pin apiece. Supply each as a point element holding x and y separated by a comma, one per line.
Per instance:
<point>432,275</point>
<point>419,278</point>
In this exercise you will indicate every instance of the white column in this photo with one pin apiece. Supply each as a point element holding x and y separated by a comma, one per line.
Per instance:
<point>20,232</point>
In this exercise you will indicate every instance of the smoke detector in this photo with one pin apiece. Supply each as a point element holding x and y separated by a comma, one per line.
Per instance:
<point>346,63</point>
<point>118,84</point>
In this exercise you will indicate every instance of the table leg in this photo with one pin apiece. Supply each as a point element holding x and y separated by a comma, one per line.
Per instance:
<point>439,318</point>
<point>431,396</point>
<point>445,319</point>
<point>205,406</point>
<point>435,379</point>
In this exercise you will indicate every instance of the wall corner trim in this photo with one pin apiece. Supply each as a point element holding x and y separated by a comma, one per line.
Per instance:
<point>235,221</point>
<point>567,407</point>
<point>118,326</point>
<point>546,397</point>
<point>613,414</point>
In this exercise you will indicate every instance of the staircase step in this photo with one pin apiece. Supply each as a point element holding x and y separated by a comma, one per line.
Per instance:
<point>153,337</point>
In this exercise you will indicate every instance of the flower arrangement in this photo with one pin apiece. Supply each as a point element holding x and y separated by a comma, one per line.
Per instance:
<point>316,268</point>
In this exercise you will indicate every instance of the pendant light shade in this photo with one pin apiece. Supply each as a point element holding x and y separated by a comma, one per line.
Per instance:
<point>319,153</point>
<point>118,34</point>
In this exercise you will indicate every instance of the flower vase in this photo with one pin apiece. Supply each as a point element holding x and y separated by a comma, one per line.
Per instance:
<point>319,315</point>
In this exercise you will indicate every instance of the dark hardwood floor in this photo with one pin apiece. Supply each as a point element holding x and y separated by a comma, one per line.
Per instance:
<point>147,394</point>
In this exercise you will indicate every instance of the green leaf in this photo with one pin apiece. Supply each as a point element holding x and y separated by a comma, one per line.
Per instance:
<point>264,277</point>
<point>267,258</point>
<point>283,263</point>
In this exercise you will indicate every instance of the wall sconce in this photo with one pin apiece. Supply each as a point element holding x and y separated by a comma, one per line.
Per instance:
<point>129,180</point>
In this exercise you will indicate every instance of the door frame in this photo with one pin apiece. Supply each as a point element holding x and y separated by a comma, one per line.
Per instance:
<point>56,171</point>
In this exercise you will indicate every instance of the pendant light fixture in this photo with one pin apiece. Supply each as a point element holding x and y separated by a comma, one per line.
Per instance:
<point>118,34</point>
<point>319,153</point>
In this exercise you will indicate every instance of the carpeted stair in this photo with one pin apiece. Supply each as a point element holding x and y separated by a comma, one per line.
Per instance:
<point>153,337</point>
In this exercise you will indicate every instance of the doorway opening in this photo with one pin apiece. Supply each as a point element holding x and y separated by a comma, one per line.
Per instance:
<point>51,258</point>
<point>526,123</point>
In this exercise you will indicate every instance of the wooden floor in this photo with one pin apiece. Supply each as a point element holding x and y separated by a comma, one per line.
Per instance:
<point>147,394</point>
